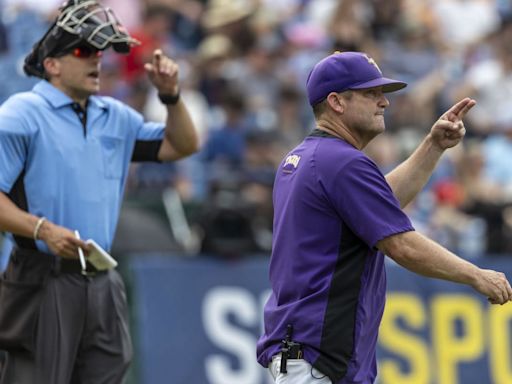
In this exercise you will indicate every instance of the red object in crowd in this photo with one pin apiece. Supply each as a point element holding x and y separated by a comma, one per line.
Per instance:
<point>449,192</point>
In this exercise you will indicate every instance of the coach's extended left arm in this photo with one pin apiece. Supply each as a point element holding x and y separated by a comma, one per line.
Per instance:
<point>410,177</point>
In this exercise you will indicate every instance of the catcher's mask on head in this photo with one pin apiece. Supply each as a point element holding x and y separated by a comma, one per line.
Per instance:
<point>80,22</point>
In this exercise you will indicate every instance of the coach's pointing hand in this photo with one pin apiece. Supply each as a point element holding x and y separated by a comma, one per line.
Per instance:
<point>449,130</point>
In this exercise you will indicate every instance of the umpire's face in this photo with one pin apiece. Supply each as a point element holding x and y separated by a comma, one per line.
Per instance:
<point>76,73</point>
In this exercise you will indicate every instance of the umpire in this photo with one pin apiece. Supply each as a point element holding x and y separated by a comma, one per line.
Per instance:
<point>64,157</point>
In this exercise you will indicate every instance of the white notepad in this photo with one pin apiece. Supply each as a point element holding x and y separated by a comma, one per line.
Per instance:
<point>99,257</point>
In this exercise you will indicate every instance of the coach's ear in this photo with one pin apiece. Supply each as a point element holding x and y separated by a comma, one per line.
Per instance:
<point>336,102</point>
<point>51,66</point>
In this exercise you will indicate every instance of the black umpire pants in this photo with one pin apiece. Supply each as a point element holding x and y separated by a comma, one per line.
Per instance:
<point>81,336</point>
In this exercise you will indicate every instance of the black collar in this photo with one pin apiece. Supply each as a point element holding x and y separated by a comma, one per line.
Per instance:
<point>321,133</point>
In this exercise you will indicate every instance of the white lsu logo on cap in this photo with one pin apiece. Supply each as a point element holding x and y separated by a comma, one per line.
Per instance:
<point>373,62</point>
<point>291,161</point>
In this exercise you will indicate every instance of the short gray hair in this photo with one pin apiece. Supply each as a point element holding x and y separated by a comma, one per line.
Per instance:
<point>320,108</point>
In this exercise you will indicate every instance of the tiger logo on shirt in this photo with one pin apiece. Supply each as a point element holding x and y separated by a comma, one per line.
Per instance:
<point>291,163</point>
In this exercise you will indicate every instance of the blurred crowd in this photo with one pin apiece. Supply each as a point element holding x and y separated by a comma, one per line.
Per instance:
<point>243,67</point>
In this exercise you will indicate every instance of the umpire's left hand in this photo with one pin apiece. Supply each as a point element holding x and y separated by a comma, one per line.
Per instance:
<point>163,73</point>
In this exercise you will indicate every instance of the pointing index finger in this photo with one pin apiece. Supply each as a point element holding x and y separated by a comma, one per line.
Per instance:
<point>465,108</point>
<point>460,109</point>
<point>157,57</point>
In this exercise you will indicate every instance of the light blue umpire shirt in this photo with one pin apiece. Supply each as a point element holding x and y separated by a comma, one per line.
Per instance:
<point>53,166</point>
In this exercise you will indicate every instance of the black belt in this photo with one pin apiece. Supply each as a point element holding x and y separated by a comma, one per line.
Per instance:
<point>74,266</point>
<point>59,265</point>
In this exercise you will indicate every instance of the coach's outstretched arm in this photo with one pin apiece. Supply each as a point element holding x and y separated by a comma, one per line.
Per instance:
<point>421,255</point>
<point>60,240</point>
<point>410,177</point>
<point>181,137</point>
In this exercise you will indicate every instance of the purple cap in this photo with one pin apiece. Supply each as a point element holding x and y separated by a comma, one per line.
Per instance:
<point>347,70</point>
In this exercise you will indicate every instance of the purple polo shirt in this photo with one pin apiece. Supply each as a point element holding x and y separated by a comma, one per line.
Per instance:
<point>331,207</point>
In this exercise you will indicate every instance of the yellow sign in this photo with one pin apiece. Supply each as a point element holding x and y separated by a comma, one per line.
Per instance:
<point>462,330</point>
